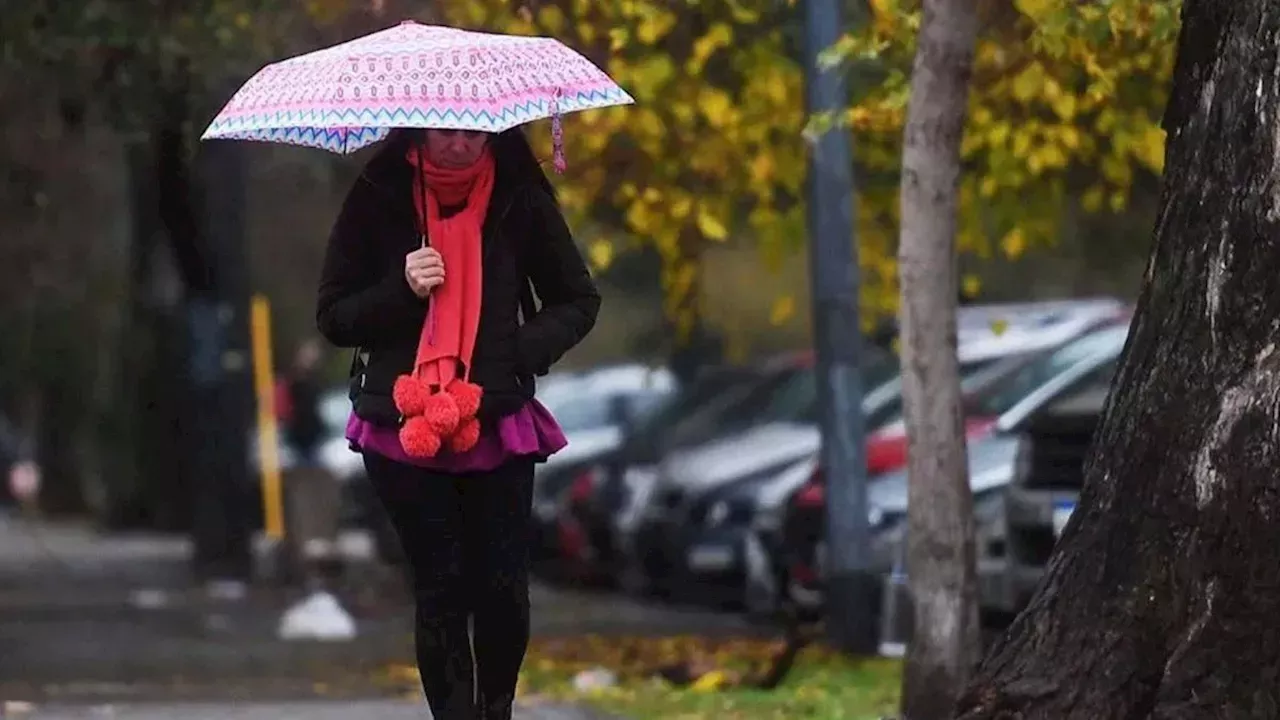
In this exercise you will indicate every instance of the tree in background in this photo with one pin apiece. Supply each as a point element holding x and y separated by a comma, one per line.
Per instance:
<point>1064,105</point>
<point>117,90</point>
<point>940,545</point>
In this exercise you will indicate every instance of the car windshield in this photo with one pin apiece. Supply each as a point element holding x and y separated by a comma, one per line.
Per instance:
<point>883,404</point>
<point>728,411</point>
<point>788,395</point>
<point>1041,370</point>
<point>657,426</point>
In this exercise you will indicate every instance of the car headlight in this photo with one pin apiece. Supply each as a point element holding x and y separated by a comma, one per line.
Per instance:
<point>738,511</point>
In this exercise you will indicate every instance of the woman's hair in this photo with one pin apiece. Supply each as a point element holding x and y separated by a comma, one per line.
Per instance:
<point>511,150</point>
<point>512,153</point>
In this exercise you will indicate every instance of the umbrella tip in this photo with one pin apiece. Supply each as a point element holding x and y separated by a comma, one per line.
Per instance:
<point>408,22</point>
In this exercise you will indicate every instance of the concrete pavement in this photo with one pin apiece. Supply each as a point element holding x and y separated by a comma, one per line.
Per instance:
<point>75,628</point>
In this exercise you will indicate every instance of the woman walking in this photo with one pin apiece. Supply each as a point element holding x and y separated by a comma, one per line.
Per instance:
<point>428,272</point>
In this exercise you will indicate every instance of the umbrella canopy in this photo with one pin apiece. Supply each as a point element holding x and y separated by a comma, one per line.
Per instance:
<point>351,95</point>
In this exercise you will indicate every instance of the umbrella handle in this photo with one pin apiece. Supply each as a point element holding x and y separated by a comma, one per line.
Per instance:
<point>557,133</point>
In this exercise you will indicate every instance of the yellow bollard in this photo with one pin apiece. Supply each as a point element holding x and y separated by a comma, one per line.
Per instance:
<point>268,430</point>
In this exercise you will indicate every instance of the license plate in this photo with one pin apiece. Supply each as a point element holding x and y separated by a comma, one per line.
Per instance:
<point>711,558</point>
<point>1061,514</point>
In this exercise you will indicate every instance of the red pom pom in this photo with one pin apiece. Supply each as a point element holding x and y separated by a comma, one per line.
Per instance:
<point>466,437</point>
<point>409,395</point>
<point>441,412</point>
<point>466,395</point>
<point>419,439</point>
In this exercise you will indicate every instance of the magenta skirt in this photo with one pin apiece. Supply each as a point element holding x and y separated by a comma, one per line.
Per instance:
<point>529,432</point>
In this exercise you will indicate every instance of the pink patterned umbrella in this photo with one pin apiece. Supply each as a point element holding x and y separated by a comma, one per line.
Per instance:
<point>345,97</point>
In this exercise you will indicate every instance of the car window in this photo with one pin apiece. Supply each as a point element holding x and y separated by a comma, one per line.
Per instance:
<point>729,411</point>
<point>883,405</point>
<point>583,412</point>
<point>1087,395</point>
<point>664,418</point>
<point>1041,370</point>
<point>796,399</point>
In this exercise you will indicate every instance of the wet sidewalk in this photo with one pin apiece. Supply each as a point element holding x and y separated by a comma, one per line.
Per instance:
<point>86,618</point>
<point>366,710</point>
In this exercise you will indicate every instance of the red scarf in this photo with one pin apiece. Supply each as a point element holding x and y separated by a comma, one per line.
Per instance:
<point>437,400</point>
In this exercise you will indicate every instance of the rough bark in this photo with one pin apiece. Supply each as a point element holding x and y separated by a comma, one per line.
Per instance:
<point>940,562</point>
<point>1161,600</point>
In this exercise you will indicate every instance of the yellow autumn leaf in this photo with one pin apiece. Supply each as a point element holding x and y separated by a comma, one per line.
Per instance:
<point>552,18</point>
<point>710,226</point>
<point>971,285</point>
<point>715,105</point>
<point>1014,243</point>
<point>1036,9</point>
<point>784,308</point>
<point>1028,82</point>
<point>618,38</point>
<point>656,24</point>
<point>999,326</point>
<point>600,253</point>
<point>1150,148</point>
<point>709,682</point>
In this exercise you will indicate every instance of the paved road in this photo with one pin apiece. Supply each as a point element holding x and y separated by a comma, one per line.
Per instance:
<point>365,710</point>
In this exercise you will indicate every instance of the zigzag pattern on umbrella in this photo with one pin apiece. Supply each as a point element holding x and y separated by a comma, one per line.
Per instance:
<point>352,112</point>
<point>260,99</point>
<point>506,117</point>
<point>339,140</point>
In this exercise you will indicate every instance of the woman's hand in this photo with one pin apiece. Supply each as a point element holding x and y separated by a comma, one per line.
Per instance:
<point>423,270</point>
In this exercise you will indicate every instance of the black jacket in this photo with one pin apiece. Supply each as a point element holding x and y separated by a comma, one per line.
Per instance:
<point>365,302</point>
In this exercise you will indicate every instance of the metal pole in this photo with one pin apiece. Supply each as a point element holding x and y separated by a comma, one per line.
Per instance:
<point>850,588</point>
<point>268,432</point>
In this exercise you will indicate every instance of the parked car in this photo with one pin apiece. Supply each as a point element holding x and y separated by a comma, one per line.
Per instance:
<point>594,409</point>
<point>1074,368</point>
<point>770,427</point>
<point>672,543</point>
<point>1047,479</point>
<point>592,519</point>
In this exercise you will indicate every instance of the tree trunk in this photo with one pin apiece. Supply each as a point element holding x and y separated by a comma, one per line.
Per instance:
<point>940,555</point>
<point>1161,601</point>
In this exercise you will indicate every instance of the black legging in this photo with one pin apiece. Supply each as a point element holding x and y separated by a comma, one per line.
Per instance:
<point>466,539</point>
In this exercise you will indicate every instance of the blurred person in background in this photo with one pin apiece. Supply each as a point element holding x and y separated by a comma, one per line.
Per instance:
<point>314,495</point>
<point>428,271</point>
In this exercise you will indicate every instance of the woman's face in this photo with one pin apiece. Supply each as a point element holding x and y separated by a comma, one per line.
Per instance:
<point>455,148</point>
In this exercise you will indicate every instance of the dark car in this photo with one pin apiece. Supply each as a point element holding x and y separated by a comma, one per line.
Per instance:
<point>599,492</point>
<point>771,427</point>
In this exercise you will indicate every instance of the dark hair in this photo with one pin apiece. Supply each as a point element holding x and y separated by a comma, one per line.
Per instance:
<point>513,153</point>
<point>511,150</point>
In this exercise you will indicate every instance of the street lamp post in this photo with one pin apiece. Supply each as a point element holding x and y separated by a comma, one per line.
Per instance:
<point>850,589</point>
